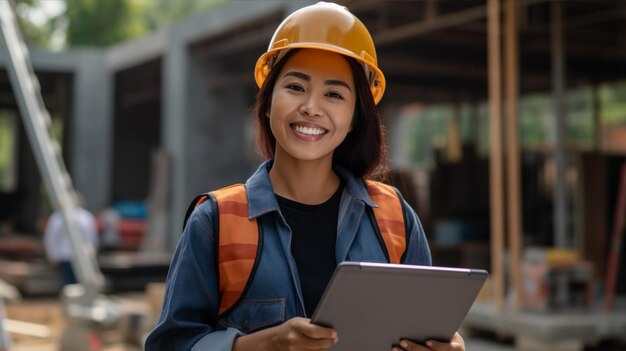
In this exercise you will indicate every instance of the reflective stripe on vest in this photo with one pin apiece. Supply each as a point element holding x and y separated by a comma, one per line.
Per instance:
<point>239,236</point>
<point>389,217</point>
<point>238,244</point>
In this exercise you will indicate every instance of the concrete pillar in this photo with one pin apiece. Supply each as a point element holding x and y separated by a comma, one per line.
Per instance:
<point>174,126</point>
<point>91,128</point>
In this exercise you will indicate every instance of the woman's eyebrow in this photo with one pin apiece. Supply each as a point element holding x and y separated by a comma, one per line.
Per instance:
<point>298,75</point>
<point>337,82</point>
<point>308,78</point>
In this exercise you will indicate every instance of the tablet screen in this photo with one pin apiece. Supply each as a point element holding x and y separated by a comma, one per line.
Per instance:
<point>373,305</point>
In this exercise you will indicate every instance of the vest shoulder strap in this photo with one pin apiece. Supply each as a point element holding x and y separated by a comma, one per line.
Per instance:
<point>238,244</point>
<point>389,218</point>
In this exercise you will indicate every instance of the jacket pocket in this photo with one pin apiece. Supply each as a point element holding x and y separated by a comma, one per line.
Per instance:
<point>252,315</point>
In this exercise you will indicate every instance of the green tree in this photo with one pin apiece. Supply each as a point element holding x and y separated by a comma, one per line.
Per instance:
<point>102,23</point>
<point>159,13</point>
<point>39,34</point>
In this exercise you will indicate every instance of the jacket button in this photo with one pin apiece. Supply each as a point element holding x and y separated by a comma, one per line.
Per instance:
<point>245,325</point>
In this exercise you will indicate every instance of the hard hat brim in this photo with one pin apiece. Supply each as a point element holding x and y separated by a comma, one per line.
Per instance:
<point>377,84</point>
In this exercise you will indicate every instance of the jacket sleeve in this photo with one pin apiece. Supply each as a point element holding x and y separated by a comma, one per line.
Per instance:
<point>417,249</point>
<point>189,314</point>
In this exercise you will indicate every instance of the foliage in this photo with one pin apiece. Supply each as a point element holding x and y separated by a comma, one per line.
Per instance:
<point>102,23</point>
<point>7,154</point>
<point>160,13</point>
<point>424,129</point>
<point>39,34</point>
<point>105,22</point>
<point>613,103</point>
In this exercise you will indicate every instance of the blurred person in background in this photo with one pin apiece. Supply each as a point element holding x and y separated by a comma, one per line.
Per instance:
<point>109,220</point>
<point>322,136</point>
<point>57,243</point>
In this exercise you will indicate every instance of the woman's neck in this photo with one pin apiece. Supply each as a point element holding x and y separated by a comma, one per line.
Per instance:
<point>307,182</point>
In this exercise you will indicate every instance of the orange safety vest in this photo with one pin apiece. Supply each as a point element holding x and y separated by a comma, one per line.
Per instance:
<point>238,243</point>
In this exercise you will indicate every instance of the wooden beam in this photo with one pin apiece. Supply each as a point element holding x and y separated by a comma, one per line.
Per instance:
<point>407,31</point>
<point>459,38</point>
<point>514,213</point>
<point>541,44</point>
<point>408,93</point>
<point>398,64</point>
<point>496,195</point>
<point>430,10</point>
<point>593,18</point>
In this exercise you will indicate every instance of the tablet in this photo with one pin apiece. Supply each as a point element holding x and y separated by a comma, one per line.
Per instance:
<point>374,305</point>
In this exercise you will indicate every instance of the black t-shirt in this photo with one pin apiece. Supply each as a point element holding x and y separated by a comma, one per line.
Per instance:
<point>314,232</point>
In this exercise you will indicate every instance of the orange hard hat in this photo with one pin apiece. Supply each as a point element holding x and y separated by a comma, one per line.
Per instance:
<point>325,26</point>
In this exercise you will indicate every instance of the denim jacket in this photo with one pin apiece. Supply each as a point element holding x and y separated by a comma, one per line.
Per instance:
<point>189,320</point>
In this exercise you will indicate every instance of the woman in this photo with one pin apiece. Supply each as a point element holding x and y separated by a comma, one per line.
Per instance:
<point>322,135</point>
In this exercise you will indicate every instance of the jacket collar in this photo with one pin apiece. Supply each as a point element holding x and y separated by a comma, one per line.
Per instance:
<point>260,193</point>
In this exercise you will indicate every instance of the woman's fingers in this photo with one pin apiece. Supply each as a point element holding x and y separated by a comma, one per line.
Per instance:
<point>310,336</point>
<point>456,344</point>
<point>314,331</point>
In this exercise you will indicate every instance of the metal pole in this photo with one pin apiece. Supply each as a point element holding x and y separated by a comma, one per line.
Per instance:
<point>496,193</point>
<point>558,95</point>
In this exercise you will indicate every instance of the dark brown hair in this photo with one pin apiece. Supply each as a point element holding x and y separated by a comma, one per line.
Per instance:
<point>362,152</point>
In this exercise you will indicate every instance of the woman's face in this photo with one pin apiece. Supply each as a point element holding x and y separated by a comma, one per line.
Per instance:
<point>312,105</point>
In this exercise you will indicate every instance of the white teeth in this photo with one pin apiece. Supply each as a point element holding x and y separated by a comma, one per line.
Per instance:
<point>309,130</point>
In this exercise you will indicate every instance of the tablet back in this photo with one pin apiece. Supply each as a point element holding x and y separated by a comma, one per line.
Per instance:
<point>372,306</point>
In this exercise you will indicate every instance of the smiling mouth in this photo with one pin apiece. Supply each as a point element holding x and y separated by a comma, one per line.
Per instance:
<point>314,131</point>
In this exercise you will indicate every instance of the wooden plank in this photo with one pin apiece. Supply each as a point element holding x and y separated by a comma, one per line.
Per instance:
<point>616,243</point>
<point>495,154</point>
<point>514,218</point>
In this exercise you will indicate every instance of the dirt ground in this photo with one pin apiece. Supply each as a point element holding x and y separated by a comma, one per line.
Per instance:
<point>39,324</point>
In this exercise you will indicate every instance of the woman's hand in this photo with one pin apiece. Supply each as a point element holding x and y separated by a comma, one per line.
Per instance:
<point>294,335</point>
<point>456,344</point>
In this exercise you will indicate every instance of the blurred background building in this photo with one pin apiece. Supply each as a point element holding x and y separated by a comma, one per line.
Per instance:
<point>506,130</point>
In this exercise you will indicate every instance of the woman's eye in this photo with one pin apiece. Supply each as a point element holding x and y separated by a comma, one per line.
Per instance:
<point>335,95</point>
<point>295,87</point>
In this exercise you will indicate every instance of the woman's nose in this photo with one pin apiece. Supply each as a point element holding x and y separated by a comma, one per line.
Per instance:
<point>310,107</point>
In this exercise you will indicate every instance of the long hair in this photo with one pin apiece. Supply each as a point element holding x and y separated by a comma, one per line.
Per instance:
<point>363,150</point>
